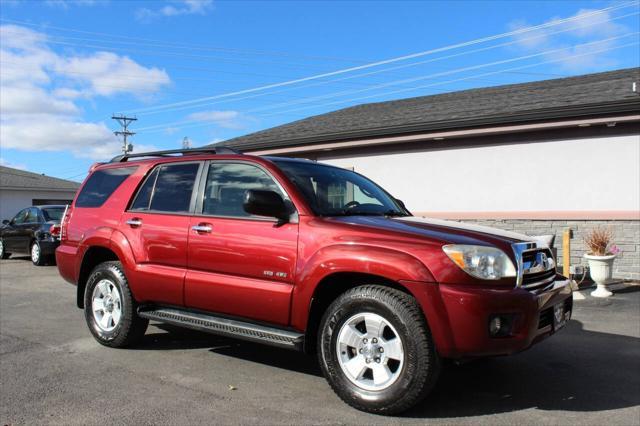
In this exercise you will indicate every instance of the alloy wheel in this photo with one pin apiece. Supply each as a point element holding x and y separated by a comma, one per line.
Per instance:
<point>370,351</point>
<point>106,305</point>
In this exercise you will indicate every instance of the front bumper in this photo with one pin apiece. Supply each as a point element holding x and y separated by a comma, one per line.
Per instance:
<point>459,316</point>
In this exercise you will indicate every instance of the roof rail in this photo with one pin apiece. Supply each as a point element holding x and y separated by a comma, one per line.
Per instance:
<point>219,150</point>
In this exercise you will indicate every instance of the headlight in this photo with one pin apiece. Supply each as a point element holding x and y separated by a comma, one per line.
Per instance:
<point>486,263</point>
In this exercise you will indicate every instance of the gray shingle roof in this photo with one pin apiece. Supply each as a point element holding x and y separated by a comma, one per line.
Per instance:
<point>590,94</point>
<point>19,179</point>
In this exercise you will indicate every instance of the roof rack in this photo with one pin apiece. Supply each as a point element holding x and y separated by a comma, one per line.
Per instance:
<point>219,150</point>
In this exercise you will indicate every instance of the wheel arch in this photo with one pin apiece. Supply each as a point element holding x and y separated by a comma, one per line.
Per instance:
<point>93,256</point>
<point>329,289</point>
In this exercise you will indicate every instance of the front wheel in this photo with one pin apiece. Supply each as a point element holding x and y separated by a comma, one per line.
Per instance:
<point>376,350</point>
<point>109,307</point>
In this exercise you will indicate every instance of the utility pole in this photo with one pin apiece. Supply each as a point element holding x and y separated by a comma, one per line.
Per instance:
<point>186,143</point>
<point>125,133</point>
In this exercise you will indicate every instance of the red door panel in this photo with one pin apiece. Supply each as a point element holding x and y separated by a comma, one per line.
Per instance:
<point>159,245</point>
<point>241,267</point>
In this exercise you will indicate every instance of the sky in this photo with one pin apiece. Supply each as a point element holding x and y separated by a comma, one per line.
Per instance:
<point>211,70</point>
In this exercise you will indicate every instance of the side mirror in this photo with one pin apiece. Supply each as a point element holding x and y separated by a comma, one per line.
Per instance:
<point>266,203</point>
<point>5,222</point>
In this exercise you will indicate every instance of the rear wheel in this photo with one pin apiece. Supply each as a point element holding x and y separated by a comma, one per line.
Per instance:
<point>3,253</point>
<point>109,307</point>
<point>36,254</point>
<point>376,350</point>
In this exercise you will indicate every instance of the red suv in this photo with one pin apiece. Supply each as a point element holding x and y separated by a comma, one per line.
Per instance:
<point>306,256</point>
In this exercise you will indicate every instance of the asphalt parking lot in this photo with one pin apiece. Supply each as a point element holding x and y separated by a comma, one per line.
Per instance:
<point>52,371</point>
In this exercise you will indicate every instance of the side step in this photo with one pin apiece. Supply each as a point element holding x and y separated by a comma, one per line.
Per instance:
<point>226,327</point>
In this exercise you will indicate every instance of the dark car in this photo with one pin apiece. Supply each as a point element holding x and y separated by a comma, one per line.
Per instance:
<point>34,231</point>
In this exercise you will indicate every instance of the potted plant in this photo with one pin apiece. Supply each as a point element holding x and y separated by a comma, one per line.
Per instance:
<point>601,253</point>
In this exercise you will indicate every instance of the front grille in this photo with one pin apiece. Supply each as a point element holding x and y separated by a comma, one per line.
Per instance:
<point>539,270</point>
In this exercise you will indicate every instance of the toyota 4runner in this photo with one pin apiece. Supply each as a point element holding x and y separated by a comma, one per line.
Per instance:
<point>305,256</point>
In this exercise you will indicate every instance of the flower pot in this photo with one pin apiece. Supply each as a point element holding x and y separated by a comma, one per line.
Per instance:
<point>601,271</point>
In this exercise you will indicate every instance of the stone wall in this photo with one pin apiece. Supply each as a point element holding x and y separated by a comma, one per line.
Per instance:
<point>626,237</point>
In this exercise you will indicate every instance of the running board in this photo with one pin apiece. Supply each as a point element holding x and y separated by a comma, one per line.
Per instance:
<point>226,327</point>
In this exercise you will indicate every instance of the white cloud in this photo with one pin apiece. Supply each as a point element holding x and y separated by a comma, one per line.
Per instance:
<point>224,119</point>
<point>7,163</point>
<point>107,74</point>
<point>591,25</point>
<point>39,89</point>
<point>176,8</point>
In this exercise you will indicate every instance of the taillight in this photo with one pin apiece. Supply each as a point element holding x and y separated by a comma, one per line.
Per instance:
<point>64,223</point>
<point>55,230</point>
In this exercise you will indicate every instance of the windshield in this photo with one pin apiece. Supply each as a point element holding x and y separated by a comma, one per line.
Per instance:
<point>53,214</point>
<point>332,191</point>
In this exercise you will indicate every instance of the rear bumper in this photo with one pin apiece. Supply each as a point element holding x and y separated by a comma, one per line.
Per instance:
<point>66,260</point>
<point>459,316</point>
<point>48,246</point>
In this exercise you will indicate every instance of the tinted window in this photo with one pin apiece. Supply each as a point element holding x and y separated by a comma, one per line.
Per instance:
<point>143,199</point>
<point>53,214</point>
<point>32,216</point>
<point>227,184</point>
<point>168,189</point>
<point>332,191</point>
<point>20,217</point>
<point>101,185</point>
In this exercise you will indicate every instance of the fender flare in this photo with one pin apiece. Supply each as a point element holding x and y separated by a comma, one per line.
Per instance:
<point>387,263</point>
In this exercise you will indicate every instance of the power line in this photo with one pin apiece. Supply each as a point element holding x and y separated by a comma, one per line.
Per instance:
<point>509,70</point>
<point>387,61</point>
<point>321,81</point>
<point>414,79</point>
<point>190,46</point>
<point>457,80</point>
<point>388,69</point>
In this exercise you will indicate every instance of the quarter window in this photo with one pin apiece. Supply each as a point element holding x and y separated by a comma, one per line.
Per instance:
<point>101,185</point>
<point>168,189</point>
<point>227,184</point>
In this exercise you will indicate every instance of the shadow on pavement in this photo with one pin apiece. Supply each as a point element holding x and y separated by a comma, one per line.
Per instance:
<point>576,370</point>
<point>178,338</point>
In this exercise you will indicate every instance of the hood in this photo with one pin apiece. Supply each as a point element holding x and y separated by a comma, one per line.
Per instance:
<point>444,231</point>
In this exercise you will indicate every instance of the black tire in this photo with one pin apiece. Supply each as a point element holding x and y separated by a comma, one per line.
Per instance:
<point>130,328</point>
<point>3,253</point>
<point>40,259</point>
<point>421,365</point>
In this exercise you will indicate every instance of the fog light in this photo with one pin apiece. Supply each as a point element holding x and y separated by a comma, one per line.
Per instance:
<point>500,325</point>
<point>494,326</point>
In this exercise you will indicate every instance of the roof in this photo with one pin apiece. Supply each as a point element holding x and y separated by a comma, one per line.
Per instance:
<point>19,179</point>
<point>586,95</point>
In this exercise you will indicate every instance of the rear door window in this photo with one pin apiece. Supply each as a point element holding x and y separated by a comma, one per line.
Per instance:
<point>101,185</point>
<point>168,189</point>
<point>32,216</point>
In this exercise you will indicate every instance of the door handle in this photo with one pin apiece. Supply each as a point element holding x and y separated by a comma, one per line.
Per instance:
<point>134,223</point>
<point>202,227</point>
